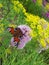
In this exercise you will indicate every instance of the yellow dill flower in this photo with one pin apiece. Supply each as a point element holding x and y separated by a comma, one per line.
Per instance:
<point>40,30</point>
<point>26,14</point>
<point>32,19</point>
<point>44,24</point>
<point>47,40</point>
<point>42,42</point>
<point>24,10</point>
<point>46,35</point>
<point>15,2</point>
<point>33,34</point>
<point>12,25</point>
<point>39,2</point>
<point>1,5</point>
<point>47,29</point>
<point>39,27</point>
<point>16,9</point>
<point>20,5</point>
<point>1,28</point>
<point>8,51</point>
<point>47,6</point>
<point>48,25</point>
<point>42,21</point>
<point>32,26</point>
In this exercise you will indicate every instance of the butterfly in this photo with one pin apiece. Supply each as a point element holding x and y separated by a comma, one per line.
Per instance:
<point>16,32</point>
<point>20,35</point>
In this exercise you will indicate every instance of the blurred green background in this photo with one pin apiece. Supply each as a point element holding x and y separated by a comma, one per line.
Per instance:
<point>29,54</point>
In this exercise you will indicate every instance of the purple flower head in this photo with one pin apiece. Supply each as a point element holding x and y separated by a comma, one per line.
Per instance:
<point>47,14</point>
<point>34,1</point>
<point>26,37</point>
<point>45,2</point>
